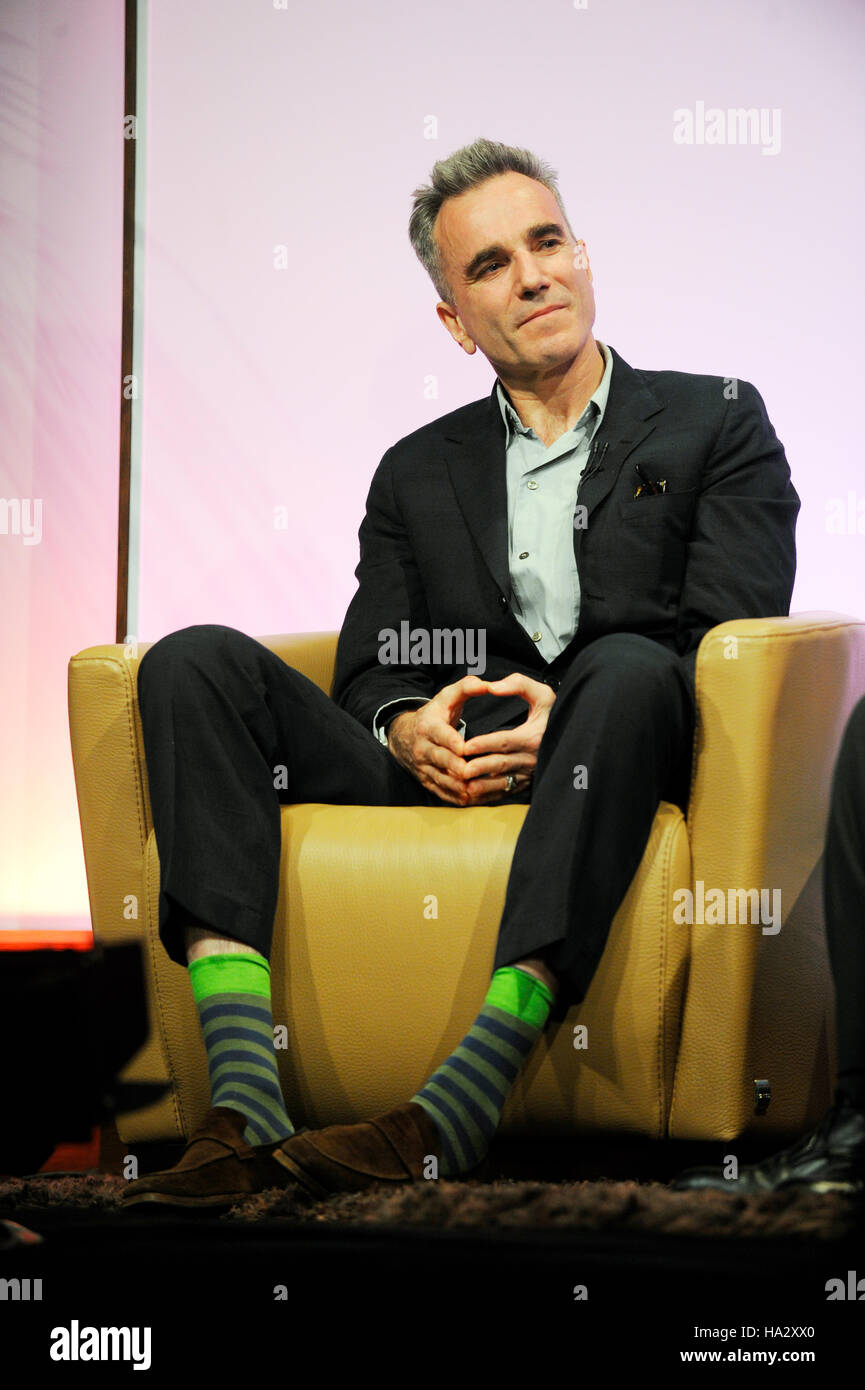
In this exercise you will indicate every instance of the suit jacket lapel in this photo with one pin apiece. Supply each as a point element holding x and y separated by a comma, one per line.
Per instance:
<point>626,424</point>
<point>475,458</point>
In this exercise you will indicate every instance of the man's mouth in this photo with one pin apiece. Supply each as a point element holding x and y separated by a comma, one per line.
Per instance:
<point>550,310</point>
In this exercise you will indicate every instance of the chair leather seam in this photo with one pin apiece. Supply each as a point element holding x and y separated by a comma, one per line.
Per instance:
<point>161,1012</point>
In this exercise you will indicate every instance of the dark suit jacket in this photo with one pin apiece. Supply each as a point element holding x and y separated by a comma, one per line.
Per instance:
<point>718,544</point>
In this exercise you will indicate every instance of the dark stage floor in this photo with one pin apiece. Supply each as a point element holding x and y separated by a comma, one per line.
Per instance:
<point>234,1298</point>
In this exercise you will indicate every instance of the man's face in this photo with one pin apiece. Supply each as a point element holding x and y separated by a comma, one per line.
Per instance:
<point>507,254</point>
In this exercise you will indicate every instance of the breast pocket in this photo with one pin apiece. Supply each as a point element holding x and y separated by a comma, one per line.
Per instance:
<point>646,549</point>
<point>671,509</point>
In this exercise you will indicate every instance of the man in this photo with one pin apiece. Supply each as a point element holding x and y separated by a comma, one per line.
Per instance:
<point>831,1158</point>
<point>585,524</point>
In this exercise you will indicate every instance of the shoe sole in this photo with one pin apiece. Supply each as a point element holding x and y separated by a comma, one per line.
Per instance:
<point>822,1189</point>
<point>850,1188</point>
<point>165,1199</point>
<point>309,1184</point>
<point>318,1190</point>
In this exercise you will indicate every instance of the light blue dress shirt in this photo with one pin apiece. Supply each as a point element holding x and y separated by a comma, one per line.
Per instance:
<point>542,497</point>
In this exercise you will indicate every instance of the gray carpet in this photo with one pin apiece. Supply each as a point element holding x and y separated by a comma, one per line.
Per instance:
<point>650,1208</point>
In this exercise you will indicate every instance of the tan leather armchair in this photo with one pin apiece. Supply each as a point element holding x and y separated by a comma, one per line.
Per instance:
<point>386,922</point>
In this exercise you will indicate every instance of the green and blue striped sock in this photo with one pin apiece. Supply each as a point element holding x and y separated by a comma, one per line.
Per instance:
<point>234,1005</point>
<point>466,1096</point>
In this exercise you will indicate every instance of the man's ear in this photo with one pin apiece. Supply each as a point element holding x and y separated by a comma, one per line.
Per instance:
<point>454,325</point>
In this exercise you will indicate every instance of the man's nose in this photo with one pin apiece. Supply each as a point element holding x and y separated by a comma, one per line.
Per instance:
<point>530,273</point>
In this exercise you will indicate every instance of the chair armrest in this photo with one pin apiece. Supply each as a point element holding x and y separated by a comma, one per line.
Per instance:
<point>773,698</point>
<point>311,653</point>
<point>111,773</point>
<point>110,782</point>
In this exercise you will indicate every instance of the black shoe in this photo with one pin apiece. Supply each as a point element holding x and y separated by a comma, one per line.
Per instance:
<point>829,1159</point>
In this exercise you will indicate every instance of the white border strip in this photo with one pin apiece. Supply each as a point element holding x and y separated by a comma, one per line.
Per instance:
<point>132,588</point>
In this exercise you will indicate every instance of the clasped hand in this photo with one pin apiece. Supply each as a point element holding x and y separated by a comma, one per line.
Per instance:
<point>471,772</point>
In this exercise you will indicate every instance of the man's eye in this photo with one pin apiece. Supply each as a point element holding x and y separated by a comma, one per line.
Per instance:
<point>550,241</point>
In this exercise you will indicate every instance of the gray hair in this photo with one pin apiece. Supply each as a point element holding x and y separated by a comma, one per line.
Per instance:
<point>468,167</point>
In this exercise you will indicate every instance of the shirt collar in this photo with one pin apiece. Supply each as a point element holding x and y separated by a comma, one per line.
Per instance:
<point>596,405</point>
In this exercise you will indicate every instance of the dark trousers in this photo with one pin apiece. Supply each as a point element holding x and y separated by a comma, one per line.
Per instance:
<point>222,714</point>
<point>844,901</point>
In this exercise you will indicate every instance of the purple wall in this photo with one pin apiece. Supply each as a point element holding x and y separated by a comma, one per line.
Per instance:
<point>266,386</point>
<point>61,169</point>
<point>275,378</point>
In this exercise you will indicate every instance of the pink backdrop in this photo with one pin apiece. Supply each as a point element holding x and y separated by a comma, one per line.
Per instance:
<point>290,336</point>
<point>61,167</point>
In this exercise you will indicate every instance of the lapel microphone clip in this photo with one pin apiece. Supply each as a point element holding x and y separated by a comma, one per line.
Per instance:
<point>596,460</point>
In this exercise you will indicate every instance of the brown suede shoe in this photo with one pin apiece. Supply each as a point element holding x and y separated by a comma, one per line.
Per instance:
<point>348,1158</point>
<point>218,1168</point>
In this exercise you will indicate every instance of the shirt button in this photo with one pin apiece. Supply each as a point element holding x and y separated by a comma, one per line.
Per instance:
<point>536,636</point>
<point>524,555</point>
<point>531,484</point>
<point>503,600</point>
